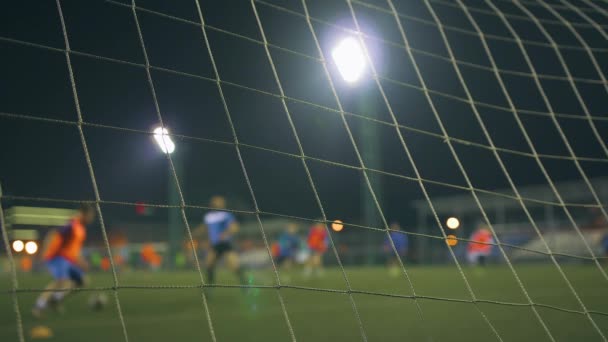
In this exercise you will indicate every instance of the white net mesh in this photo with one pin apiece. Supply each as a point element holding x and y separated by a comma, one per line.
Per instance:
<point>464,98</point>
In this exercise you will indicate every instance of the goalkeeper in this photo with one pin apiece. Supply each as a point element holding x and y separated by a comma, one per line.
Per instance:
<point>64,260</point>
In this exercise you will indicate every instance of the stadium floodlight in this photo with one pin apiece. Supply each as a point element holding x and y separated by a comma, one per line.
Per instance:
<point>161,135</point>
<point>452,223</point>
<point>350,59</point>
<point>31,247</point>
<point>18,246</point>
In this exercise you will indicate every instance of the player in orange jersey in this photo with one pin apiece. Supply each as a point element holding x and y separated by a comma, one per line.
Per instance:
<point>480,246</point>
<point>317,243</point>
<point>151,257</point>
<point>63,259</point>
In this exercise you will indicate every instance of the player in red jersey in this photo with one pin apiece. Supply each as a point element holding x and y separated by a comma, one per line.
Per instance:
<point>317,243</point>
<point>63,259</point>
<point>480,246</point>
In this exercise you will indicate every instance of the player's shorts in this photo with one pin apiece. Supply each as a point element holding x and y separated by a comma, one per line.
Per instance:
<point>475,257</point>
<point>222,247</point>
<point>284,257</point>
<point>318,248</point>
<point>61,269</point>
<point>401,251</point>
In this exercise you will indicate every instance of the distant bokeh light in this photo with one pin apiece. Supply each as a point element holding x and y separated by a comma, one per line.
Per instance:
<point>451,240</point>
<point>31,247</point>
<point>337,226</point>
<point>452,223</point>
<point>18,246</point>
<point>350,59</point>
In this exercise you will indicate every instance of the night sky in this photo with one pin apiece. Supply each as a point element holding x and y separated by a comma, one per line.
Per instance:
<point>46,159</point>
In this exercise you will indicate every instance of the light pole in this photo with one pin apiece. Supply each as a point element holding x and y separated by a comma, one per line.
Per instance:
<point>350,60</point>
<point>167,146</point>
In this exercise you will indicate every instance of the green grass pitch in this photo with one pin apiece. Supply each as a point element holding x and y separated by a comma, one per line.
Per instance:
<point>256,315</point>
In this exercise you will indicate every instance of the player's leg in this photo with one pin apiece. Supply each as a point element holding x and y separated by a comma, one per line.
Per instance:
<point>317,261</point>
<point>482,260</point>
<point>393,260</point>
<point>395,269</point>
<point>286,267</point>
<point>320,262</point>
<point>279,261</point>
<point>46,297</point>
<point>233,262</point>
<point>472,258</point>
<point>287,263</point>
<point>59,269</point>
<point>309,262</point>
<point>210,262</point>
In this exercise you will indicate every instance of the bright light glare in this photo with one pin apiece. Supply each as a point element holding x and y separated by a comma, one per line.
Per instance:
<point>452,223</point>
<point>164,140</point>
<point>18,246</point>
<point>350,59</point>
<point>31,247</point>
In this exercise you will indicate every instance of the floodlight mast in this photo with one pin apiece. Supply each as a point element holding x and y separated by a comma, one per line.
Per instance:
<point>351,59</point>
<point>167,146</point>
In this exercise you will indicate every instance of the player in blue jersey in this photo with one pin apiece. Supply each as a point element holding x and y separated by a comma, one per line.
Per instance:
<point>401,242</point>
<point>221,228</point>
<point>288,246</point>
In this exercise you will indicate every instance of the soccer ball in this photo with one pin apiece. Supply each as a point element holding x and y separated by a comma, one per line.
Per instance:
<point>98,301</point>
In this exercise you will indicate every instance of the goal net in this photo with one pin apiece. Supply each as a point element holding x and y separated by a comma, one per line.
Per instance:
<point>423,170</point>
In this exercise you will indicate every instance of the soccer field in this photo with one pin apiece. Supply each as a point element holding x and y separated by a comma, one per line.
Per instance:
<point>256,314</point>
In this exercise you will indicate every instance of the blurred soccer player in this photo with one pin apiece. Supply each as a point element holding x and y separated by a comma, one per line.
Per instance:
<point>288,245</point>
<point>150,257</point>
<point>221,229</point>
<point>317,243</point>
<point>480,246</point>
<point>64,261</point>
<point>401,242</point>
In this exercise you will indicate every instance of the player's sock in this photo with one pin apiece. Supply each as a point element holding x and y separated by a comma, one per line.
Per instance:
<point>41,303</point>
<point>58,296</point>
